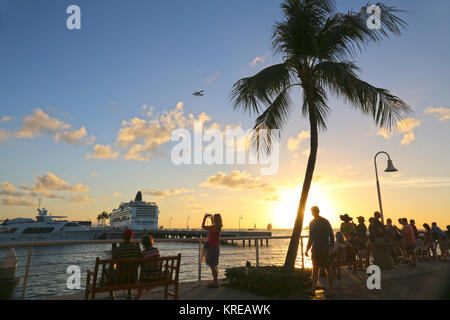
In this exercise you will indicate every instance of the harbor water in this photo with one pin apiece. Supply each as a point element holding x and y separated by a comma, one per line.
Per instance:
<point>48,272</point>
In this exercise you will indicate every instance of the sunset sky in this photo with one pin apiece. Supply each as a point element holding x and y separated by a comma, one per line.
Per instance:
<point>86,116</point>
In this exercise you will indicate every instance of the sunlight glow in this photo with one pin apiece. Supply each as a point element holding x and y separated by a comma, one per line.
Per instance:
<point>285,211</point>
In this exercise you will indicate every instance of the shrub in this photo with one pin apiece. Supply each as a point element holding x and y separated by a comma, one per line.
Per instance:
<point>269,281</point>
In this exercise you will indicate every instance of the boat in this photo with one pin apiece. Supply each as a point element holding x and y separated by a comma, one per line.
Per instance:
<point>135,215</point>
<point>44,228</point>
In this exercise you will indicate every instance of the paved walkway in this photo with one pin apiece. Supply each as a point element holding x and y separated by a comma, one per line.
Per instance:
<point>403,282</point>
<point>187,291</point>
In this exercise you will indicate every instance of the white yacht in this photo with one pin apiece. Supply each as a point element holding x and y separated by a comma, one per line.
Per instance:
<point>135,215</point>
<point>44,228</point>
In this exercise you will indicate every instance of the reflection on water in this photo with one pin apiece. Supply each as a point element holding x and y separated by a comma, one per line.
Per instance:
<point>48,274</point>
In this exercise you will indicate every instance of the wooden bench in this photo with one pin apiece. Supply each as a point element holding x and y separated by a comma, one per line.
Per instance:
<point>128,274</point>
<point>345,257</point>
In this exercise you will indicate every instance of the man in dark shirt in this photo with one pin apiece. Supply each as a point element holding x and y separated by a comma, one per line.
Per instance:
<point>321,240</point>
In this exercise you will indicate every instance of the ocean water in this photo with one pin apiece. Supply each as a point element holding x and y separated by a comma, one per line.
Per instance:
<point>48,272</point>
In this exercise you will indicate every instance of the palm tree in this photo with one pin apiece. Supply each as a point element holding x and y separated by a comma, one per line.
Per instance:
<point>105,217</point>
<point>317,43</point>
<point>99,218</point>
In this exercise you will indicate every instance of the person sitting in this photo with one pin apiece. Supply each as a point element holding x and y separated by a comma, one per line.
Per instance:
<point>338,244</point>
<point>150,251</point>
<point>127,250</point>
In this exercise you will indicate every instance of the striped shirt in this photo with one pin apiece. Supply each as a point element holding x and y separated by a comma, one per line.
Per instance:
<point>127,250</point>
<point>151,253</point>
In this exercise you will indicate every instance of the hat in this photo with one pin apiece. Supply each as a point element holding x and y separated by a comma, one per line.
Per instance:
<point>128,233</point>
<point>346,217</point>
<point>360,218</point>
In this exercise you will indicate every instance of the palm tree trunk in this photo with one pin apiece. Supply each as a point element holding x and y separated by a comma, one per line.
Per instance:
<point>291,255</point>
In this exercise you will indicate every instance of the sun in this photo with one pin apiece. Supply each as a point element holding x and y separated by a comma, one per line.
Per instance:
<point>285,212</point>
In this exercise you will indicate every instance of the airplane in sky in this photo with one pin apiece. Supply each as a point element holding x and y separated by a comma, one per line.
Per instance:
<point>199,93</point>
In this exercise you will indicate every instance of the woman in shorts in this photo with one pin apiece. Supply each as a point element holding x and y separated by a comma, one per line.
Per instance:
<point>213,247</point>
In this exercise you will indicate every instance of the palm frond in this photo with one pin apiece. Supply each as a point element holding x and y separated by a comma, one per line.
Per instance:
<point>252,92</point>
<point>340,78</point>
<point>273,118</point>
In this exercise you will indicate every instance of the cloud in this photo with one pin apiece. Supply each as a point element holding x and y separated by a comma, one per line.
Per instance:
<point>5,119</point>
<point>81,198</point>
<point>40,123</point>
<point>7,189</point>
<point>442,114</point>
<point>194,206</point>
<point>117,195</point>
<point>22,201</point>
<point>294,143</point>
<point>273,198</point>
<point>213,78</point>
<point>258,60</point>
<point>405,127</point>
<point>165,193</point>
<point>94,174</point>
<point>143,138</point>
<point>75,137</point>
<point>51,182</point>
<point>236,180</point>
<point>102,152</point>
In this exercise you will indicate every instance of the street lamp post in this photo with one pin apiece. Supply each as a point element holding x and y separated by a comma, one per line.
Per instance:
<point>170,220</point>
<point>240,218</point>
<point>187,222</point>
<point>390,168</point>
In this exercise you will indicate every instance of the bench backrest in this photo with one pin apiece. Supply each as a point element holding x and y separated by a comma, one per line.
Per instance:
<point>120,272</point>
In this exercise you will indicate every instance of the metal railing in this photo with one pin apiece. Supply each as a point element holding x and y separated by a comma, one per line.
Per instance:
<point>200,241</point>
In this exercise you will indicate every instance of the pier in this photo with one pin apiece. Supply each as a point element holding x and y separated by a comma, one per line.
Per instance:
<point>196,234</point>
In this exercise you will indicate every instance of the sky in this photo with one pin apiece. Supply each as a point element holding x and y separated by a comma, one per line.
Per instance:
<point>86,116</point>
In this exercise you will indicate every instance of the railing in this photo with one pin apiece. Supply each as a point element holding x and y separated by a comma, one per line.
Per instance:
<point>31,245</point>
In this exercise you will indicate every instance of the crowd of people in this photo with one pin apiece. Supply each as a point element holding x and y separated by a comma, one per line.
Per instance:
<point>406,244</point>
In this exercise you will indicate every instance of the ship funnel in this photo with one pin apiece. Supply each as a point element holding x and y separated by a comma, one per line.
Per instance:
<point>138,196</point>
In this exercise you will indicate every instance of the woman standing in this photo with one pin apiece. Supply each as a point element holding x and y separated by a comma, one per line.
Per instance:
<point>213,251</point>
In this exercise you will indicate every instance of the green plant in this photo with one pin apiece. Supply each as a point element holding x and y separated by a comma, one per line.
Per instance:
<point>269,281</point>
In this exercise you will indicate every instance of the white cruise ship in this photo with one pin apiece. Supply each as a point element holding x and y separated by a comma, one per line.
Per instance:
<point>44,228</point>
<point>135,215</point>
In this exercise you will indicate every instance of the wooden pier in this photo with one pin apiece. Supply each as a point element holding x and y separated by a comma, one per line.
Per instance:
<point>188,234</point>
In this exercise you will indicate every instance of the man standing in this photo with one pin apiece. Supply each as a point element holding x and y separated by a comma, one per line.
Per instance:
<point>321,240</point>
<point>409,239</point>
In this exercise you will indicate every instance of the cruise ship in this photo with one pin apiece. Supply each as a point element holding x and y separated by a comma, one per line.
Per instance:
<point>45,228</point>
<point>135,215</point>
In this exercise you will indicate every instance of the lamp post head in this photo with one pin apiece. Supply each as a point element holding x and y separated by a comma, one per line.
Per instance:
<point>390,167</point>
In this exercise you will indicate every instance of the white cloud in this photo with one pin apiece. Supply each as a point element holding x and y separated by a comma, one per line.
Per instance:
<point>40,123</point>
<point>51,182</point>
<point>294,143</point>
<point>102,152</point>
<point>442,114</point>
<point>236,180</point>
<point>22,201</point>
<point>405,127</point>
<point>8,189</point>
<point>75,137</point>
<point>165,193</point>
<point>5,119</point>
<point>81,198</point>
<point>117,195</point>
<point>258,60</point>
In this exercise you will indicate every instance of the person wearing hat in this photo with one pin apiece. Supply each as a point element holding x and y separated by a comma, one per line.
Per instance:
<point>361,230</point>
<point>347,227</point>
<point>127,250</point>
